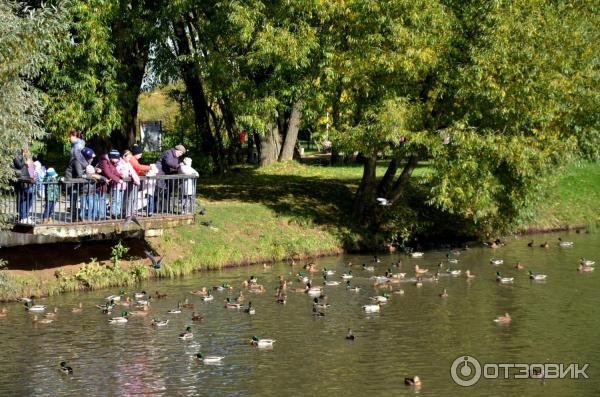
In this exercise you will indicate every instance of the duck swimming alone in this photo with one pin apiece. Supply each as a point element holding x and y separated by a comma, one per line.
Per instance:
<point>503,319</point>
<point>119,320</point>
<point>157,322</point>
<point>250,310</point>
<point>414,381</point>
<point>209,359</point>
<point>376,308</point>
<point>564,244</point>
<point>65,369</point>
<point>188,334</point>
<point>503,280</point>
<point>262,343</point>
<point>537,277</point>
<point>350,335</point>
<point>350,287</point>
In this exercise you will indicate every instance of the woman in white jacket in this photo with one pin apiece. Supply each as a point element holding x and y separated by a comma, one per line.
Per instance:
<point>188,188</point>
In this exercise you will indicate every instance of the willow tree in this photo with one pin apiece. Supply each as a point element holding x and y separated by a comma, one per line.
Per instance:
<point>473,88</point>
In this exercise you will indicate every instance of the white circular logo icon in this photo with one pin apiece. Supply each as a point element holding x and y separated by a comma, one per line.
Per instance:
<point>465,371</point>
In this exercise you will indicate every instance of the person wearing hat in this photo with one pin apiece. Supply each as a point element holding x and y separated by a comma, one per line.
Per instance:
<point>167,164</point>
<point>140,169</point>
<point>131,188</point>
<point>108,168</point>
<point>85,190</point>
<point>52,195</point>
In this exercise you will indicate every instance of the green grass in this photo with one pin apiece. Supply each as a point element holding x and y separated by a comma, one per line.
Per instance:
<point>572,199</point>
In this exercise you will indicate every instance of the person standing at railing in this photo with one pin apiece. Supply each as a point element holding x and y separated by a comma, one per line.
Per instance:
<point>140,169</point>
<point>39,172</point>
<point>131,188</point>
<point>80,190</point>
<point>52,195</point>
<point>24,171</point>
<point>107,166</point>
<point>149,188</point>
<point>187,188</point>
<point>77,141</point>
<point>167,164</point>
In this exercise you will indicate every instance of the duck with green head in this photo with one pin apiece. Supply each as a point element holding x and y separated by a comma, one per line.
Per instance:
<point>188,334</point>
<point>65,369</point>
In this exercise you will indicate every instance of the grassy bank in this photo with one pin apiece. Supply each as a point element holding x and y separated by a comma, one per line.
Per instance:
<point>287,211</point>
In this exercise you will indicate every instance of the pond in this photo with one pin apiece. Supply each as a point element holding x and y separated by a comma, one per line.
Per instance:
<point>417,333</point>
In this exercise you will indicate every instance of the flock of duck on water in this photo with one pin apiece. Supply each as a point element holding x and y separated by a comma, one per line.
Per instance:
<point>138,303</point>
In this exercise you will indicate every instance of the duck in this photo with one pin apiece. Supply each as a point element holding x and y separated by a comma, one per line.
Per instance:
<point>267,266</point>
<point>544,245</point>
<point>380,298</point>
<point>347,276</point>
<point>318,312</point>
<point>240,298</point>
<point>444,294</point>
<point>29,306</point>
<point>3,312</point>
<point>564,244</point>
<point>188,334</point>
<point>586,262</point>
<point>257,289</point>
<point>108,306</point>
<point>209,359</point>
<point>281,298</point>
<point>160,296</point>
<point>139,313</point>
<point>453,273</point>
<point>143,302</point>
<point>530,244</point>
<point>537,277</point>
<point>417,254</point>
<point>303,278</point>
<point>232,305</point>
<point>329,282</point>
<point>583,268</point>
<point>376,259</point>
<point>197,317</point>
<point>419,270</point>
<point>176,310</point>
<point>368,268</point>
<point>503,319</point>
<point>262,342</point>
<point>250,310</point>
<point>313,290</point>
<point>496,262</point>
<point>35,320</point>
<point>328,272</point>
<point>398,292</point>
<point>451,260</point>
<point>414,381</point>
<point>119,320</point>
<point>222,287</point>
<point>350,335</point>
<point>52,314</point>
<point>115,298</point>
<point>208,298</point>
<point>320,305</point>
<point>139,295</point>
<point>352,288</point>
<point>503,280</point>
<point>157,322</point>
<point>519,266</point>
<point>77,309</point>
<point>252,280</point>
<point>187,304</point>
<point>376,308</point>
<point>419,282</point>
<point>200,292</point>
<point>65,369</point>
<point>468,274</point>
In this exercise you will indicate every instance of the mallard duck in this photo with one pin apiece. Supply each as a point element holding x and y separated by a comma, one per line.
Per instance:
<point>208,298</point>
<point>231,305</point>
<point>468,274</point>
<point>261,342</point>
<point>544,245</point>
<point>503,280</point>
<point>444,294</point>
<point>157,322</point>
<point>453,273</point>
<point>368,268</point>
<point>119,320</point>
<point>320,305</point>
<point>160,296</point>
<point>65,369</point>
<point>530,244</point>
<point>143,302</point>
<point>250,310</point>
<point>519,266</point>
<point>303,278</point>
<point>187,304</point>
<point>419,270</point>
<point>25,299</point>
<point>29,306</point>
<point>380,279</point>
<point>347,276</point>
<point>197,317</point>
<point>376,308</point>
<point>257,289</point>
<point>52,314</point>
<point>35,320</point>
<point>310,290</point>
<point>398,292</point>
<point>281,298</point>
<point>376,259</point>
<point>329,282</point>
<point>380,298</point>
<point>77,309</point>
<point>209,359</point>
<point>113,298</point>
<point>318,312</point>
<point>222,287</point>
<point>139,295</point>
<point>414,381</point>
<point>350,335</point>
<point>3,312</point>
<point>496,262</point>
<point>564,244</point>
<point>503,319</point>
<point>537,277</point>
<point>583,268</point>
<point>586,262</point>
<point>188,334</point>
<point>417,254</point>
<point>240,298</point>
<point>200,292</point>
<point>350,287</point>
<point>328,272</point>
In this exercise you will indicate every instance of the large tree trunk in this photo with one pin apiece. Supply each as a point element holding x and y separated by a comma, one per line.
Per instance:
<point>232,131</point>
<point>291,137</point>
<point>403,180</point>
<point>386,183</point>
<point>364,201</point>
<point>270,145</point>
<point>195,89</point>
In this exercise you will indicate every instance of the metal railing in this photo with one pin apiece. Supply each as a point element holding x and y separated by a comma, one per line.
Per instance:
<point>93,201</point>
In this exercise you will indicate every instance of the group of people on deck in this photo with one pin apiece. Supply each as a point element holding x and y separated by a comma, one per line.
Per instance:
<point>91,182</point>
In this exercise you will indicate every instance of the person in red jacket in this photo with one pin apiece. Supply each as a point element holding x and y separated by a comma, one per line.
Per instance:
<point>107,166</point>
<point>140,169</point>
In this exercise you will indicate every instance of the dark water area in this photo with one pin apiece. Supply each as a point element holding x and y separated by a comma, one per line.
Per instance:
<point>417,333</point>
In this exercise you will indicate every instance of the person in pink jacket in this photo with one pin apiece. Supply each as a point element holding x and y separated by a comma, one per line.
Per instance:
<point>130,189</point>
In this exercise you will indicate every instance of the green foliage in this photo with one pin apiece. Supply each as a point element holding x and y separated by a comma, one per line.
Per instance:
<point>117,252</point>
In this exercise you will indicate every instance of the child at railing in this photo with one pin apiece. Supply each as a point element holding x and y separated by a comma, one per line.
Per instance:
<point>187,188</point>
<point>52,195</point>
<point>130,188</point>
<point>149,187</point>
